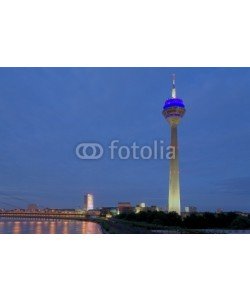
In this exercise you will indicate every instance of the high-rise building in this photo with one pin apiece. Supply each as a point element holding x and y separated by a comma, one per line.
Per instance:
<point>173,111</point>
<point>88,202</point>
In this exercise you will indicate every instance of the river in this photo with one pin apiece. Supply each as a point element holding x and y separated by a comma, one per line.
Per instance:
<point>29,226</point>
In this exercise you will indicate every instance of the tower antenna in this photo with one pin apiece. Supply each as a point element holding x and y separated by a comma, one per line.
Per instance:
<point>173,87</point>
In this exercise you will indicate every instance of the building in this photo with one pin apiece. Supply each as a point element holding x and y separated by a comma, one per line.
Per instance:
<point>93,213</point>
<point>140,207</point>
<point>173,111</point>
<point>190,209</point>
<point>88,202</point>
<point>143,208</point>
<point>153,208</point>
<point>32,207</point>
<point>108,212</point>
<point>124,207</point>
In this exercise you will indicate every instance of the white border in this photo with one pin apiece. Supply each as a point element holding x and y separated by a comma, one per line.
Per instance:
<point>124,33</point>
<point>124,267</point>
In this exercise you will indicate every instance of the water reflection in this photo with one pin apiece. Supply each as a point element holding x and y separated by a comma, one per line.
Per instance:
<point>38,227</point>
<point>52,227</point>
<point>65,227</point>
<point>17,227</point>
<point>84,229</point>
<point>25,226</point>
<point>90,227</point>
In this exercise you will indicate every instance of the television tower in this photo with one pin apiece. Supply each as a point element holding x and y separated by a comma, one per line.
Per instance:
<point>173,111</point>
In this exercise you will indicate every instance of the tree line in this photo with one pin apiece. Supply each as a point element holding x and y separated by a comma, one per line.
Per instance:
<point>206,220</point>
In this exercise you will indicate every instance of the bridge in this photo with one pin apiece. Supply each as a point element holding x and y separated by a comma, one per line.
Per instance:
<point>44,215</point>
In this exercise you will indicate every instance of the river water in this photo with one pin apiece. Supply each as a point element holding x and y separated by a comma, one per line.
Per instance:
<point>26,226</point>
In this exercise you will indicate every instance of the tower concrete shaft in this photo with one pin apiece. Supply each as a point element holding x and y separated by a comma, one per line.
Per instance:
<point>174,203</point>
<point>173,111</point>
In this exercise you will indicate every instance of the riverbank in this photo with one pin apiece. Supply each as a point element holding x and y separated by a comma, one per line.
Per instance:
<point>116,226</point>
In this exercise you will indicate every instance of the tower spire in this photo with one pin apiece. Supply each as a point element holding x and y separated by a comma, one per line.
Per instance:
<point>173,87</point>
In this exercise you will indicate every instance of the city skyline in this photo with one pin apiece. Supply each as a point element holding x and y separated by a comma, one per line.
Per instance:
<point>46,112</point>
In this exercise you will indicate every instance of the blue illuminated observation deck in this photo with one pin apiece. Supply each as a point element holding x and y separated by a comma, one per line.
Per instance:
<point>174,102</point>
<point>174,108</point>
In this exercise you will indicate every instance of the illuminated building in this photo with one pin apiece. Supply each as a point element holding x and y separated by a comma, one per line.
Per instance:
<point>153,208</point>
<point>93,212</point>
<point>124,207</point>
<point>109,211</point>
<point>88,202</point>
<point>190,209</point>
<point>140,207</point>
<point>173,111</point>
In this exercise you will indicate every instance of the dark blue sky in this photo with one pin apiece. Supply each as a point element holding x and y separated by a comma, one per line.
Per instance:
<point>46,112</point>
